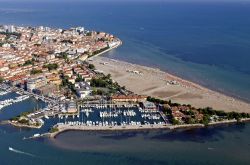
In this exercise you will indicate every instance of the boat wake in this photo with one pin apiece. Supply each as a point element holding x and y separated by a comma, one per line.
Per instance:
<point>21,152</point>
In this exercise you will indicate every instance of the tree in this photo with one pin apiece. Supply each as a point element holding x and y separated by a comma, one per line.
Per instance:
<point>51,66</point>
<point>79,79</point>
<point>53,129</point>
<point>35,71</point>
<point>91,66</point>
<point>191,121</point>
<point>1,80</point>
<point>98,92</point>
<point>175,122</point>
<point>28,62</point>
<point>63,55</point>
<point>205,120</point>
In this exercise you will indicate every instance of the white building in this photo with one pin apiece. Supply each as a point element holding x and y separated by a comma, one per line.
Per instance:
<point>11,29</point>
<point>83,89</point>
<point>80,29</point>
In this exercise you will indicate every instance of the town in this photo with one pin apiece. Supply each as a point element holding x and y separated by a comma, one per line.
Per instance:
<point>52,65</point>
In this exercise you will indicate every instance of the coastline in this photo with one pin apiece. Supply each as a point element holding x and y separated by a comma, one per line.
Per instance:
<point>24,125</point>
<point>139,79</point>
<point>157,83</point>
<point>65,128</point>
<point>105,51</point>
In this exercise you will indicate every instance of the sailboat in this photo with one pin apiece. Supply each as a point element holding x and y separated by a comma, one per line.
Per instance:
<point>11,149</point>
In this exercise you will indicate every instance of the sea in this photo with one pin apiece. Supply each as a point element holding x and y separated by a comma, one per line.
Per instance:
<point>204,42</point>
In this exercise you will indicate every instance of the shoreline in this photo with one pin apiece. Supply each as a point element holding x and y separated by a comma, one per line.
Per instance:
<point>185,92</point>
<point>163,76</point>
<point>23,125</point>
<point>187,80</point>
<point>105,51</point>
<point>65,128</point>
<point>102,55</point>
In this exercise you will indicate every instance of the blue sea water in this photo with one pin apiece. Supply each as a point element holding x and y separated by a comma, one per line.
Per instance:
<point>206,42</point>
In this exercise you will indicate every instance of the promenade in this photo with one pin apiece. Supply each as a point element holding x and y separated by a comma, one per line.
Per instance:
<point>63,128</point>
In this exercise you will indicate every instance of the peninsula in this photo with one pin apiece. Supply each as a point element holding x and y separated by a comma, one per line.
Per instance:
<point>83,91</point>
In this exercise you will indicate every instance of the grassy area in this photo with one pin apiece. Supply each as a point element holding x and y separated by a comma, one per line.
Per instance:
<point>108,86</point>
<point>53,129</point>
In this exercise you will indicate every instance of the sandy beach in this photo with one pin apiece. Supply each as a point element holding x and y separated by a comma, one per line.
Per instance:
<point>154,82</point>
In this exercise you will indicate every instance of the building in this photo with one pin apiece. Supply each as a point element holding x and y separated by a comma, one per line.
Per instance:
<point>83,89</point>
<point>11,29</point>
<point>80,29</point>
<point>48,90</point>
<point>35,83</point>
<point>128,98</point>
<point>54,79</point>
<point>71,107</point>
<point>146,105</point>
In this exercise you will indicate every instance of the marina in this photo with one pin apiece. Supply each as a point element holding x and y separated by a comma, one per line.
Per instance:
<point>103,117</point>
<point>99,114</point>
<point>3,93</point>
<point>170,51</point>
<point>9,102</point>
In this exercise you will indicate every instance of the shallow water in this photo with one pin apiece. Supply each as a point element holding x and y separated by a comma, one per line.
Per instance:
<point>226,144</point>
<point>206,42</point>
<point>214,145</point>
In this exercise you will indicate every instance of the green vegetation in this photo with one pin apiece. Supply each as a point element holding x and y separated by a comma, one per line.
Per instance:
<point>63,55</point>
<point>99,51</point>
<point>89,34</point>
<point>28,62</point>
<point>72,87</point>
<point>91,66</point>
<point>229,115</point>
<point>103,81</point>
<point>8,34</point>
<point>24,113</point>
<point>98,92</point>
<point>99,82</point>
<point>191,120</point>
<point>174,121</point>
<point>37,124</point>
<point>24,121</point>
<point>106,82</point>
<point>54,129</point>
<point>66,83</point>
<point>102,39</point>
<point>79,79</point>
<point>15,118</point>
<point>36,71</point>
<point>159,101</point>
<point>51,66</point>
<point>1,79</point>
<point>67,41</point>
<point>37,45</point>
<point>207,113</point>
